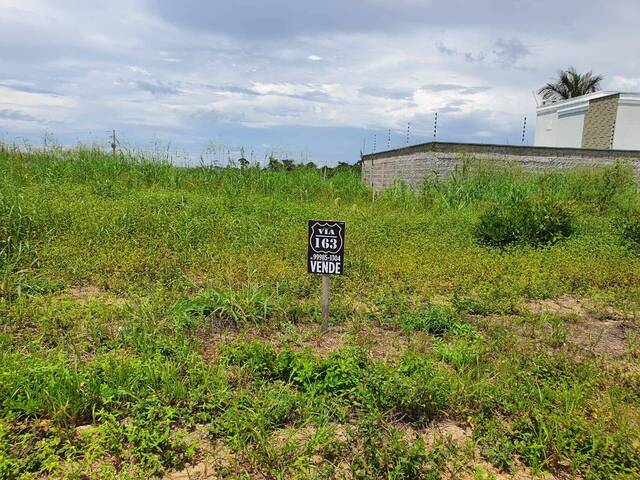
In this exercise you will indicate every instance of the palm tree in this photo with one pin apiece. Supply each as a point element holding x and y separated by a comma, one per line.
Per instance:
<point>570,84</point>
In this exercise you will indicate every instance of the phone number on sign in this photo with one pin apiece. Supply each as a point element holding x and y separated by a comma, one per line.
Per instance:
<point>325,257</point>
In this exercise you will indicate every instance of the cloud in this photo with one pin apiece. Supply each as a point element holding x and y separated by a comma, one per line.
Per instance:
<point>385,92</point>
<point>468,57</point>
<point>139,70</point>
<point>442,48</point>
<point>283,19</point>
<point>231,89</point>
<point>156,88</point>
<point>461,89</point>
<point>18,116</point>
<point>510,51</point>
<point>26,87</point>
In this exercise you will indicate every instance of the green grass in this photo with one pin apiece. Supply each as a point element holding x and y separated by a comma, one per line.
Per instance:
<point>154,317</point>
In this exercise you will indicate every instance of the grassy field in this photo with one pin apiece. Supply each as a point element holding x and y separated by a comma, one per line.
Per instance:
<point>158,321</point>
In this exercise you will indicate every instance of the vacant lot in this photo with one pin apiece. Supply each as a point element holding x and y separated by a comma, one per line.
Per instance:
<point>157,321</point>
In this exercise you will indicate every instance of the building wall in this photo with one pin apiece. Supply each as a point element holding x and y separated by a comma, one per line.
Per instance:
<point>600,122</point>
<point>560,124</point>
<point>411,165</point>
<point>627,135</point>
<point>545,135</point>
<point>569,129</point>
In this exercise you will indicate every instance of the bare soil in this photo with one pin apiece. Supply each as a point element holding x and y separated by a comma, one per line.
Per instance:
<point>599,331</point>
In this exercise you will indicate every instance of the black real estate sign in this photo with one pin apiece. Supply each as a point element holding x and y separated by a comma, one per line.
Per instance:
<point>325,251</point>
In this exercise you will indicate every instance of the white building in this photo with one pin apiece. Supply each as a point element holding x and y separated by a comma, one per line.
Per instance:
<point>602,120</point>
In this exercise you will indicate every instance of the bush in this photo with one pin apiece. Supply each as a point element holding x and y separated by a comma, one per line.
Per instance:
<point>630,229</point>
<point>627,223</point>
<point>524,221</point>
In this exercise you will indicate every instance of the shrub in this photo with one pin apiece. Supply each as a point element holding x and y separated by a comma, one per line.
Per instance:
<point>631,229</point>
<point>627,223</point>
<point>524,221</point>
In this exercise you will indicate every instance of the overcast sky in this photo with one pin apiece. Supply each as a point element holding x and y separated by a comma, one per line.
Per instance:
<point>305,79</point>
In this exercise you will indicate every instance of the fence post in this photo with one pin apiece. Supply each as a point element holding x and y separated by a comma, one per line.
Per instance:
<point>113,142</point>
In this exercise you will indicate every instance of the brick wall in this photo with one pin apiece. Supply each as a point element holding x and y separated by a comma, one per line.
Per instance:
<point>599,122</point>
<point>411,164</point>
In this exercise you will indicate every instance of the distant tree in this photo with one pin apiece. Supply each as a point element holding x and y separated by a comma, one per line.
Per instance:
<point>311,165</point>
<point>570,84</point>
<point>274,163</point>
<point>288,164</point>
<point>244,163</point>
<point>344,166</point>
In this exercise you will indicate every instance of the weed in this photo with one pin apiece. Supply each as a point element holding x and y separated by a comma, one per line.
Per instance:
<point>524,221</point>
<point>249,305</point>
<point>435,320</point>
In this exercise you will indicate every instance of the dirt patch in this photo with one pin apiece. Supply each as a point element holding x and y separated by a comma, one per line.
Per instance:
<point>564,306</point>
<point>212,341</point>
<point>603,332</point>
<point>86,294</point>
<point>382,344</point>
<point>214,460</point>
<point>217,462</point>
<point>323,345</point>
<point>604,337</point>
<point>442,430</point>
<point>572,305</point>
<point>447,430</point>
<point>480,469</point>
<point>469,465</point>
<point>297,436</point>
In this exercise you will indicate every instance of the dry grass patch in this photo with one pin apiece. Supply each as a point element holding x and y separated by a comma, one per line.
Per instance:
<point>89,293</point>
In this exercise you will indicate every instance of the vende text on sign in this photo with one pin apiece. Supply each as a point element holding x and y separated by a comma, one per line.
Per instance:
<point>325,253</point>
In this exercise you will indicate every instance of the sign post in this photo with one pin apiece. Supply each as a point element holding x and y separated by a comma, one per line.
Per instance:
<point>325,256</point>
<point>325,302</point>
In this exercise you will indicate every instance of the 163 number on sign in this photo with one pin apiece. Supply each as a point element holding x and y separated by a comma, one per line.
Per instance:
<point>325,252</point>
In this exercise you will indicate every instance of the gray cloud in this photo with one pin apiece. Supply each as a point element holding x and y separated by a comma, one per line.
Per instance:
<point>16,115</point>
<point>468,57</point>
<point>473,58</point>
<point>385,92</point>
<point>156,88</point>
<point>461,89</point>
<point>231,89</point>
<point>442,48</point>
<point>22,87</point>
<point>283,18</point>
<point>510,51</point>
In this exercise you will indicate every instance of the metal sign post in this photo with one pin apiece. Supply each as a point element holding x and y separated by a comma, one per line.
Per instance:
<point>325,256</point>
<point>325,302</point>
